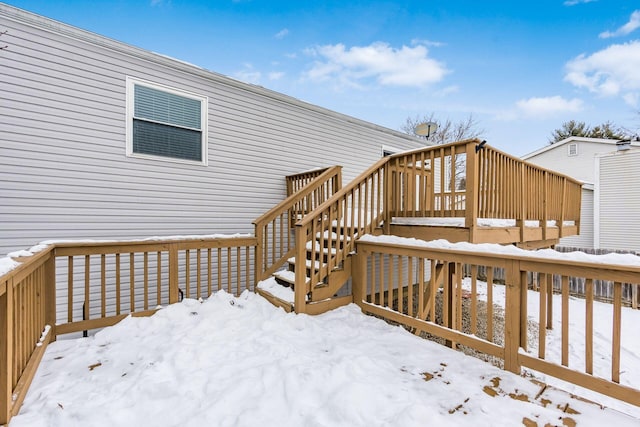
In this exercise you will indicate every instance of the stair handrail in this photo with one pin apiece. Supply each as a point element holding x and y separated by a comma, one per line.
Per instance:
<point>426,182</point>
<point>281,218</point>
<point>341,210</point>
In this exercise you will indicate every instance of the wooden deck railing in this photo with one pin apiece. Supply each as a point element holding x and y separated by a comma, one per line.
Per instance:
<point>273,229</point>
<point>329,232</point>
<point>27,306</point>
<point>513,189</point>
<point>471,180</point>
<point>298,181</point>
<point>465,179</point>
<point>73,287</point>
<point>402,284</point>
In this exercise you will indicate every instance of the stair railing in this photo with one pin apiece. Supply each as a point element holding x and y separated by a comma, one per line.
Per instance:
<point>466,179</point>
<point>273,229</point>
<point>329,232</point>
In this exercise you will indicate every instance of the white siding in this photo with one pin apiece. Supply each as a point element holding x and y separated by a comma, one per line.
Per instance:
<point>585,238</point>
<point>620,201</point>
<point>579,167</point>
<point>63,166</point>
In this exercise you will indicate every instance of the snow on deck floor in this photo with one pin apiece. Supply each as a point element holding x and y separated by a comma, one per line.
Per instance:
<point>459,222</point>
<point>242,362</point>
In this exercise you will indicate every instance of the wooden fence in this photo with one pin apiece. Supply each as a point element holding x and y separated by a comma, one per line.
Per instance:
<point>402,284</point>
<point>73,287</point>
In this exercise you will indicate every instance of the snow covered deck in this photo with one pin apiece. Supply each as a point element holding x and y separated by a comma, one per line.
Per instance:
<point>529,234</point>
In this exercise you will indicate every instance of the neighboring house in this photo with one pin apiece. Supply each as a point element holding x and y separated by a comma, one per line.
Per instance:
<point>87,140</point>
<point>611,184</point>
<point>617,200</point>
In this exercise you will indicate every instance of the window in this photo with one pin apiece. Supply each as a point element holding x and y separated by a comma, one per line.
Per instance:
<point>165,123</point>
<point>388,151</point>
<point>572,150</point>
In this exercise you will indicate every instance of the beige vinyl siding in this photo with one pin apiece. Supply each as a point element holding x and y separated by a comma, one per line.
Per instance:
<point>63,164</point>
<point>585,238</point>
<point>620,201</point>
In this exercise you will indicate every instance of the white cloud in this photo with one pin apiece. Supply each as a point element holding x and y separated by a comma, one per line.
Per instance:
<point>282,34</point>
<point>406,66</point>
<point>550,105</point>
<point>609,72</point>
<point>248,74</point>
<point>415,42</point>
<point>629,27</point>
<point>276,75</point>
<point>575,2</point>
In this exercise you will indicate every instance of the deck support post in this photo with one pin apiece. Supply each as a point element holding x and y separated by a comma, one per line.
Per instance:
<point>471,187</point>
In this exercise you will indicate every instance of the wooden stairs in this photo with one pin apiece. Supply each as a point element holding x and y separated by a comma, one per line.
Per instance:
<point>305,243</point>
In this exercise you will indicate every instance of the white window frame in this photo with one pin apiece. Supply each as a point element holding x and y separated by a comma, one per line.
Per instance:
<point>204,109</point>
<point>573,153</point>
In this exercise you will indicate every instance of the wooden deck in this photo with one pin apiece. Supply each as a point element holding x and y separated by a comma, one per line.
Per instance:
<point>320,221</point>
<point>525,237</point>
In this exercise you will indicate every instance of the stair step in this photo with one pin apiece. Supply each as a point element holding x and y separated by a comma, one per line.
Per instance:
<point>278,295</point>
<point>316,264</point>
<point>333,236</point>
<point>287,278</point>
<point>325,250</point>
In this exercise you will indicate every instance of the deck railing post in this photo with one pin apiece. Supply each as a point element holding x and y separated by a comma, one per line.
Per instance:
<point>259,254</point>
<point>472,182</point>
<point>50,294</point>
<point>545,204</point>
<point>300,290</point>
<point>6,352</point>
<point>563,207</point>
<point>359,275</point>
<point>386,198</point>
<point>173,273</point>
<point>512,315</point>
<point>524,197</point>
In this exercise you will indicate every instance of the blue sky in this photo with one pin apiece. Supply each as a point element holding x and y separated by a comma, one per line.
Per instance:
<point>520,67</point>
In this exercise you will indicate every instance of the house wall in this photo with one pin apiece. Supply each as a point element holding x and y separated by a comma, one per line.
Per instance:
<point>580,166</point>
<point>618,201</point>
<point>63,166</point>
<point>585,238</point>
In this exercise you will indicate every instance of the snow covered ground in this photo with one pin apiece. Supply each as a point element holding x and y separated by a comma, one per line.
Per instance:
<point>242,362</point>
<point>602,333</point>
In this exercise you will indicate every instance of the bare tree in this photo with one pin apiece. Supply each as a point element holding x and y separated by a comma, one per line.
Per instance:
<point>447,130</point>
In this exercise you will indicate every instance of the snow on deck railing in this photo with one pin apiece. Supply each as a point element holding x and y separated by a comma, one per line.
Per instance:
<point>436,287</point>
<point>65,286</point>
